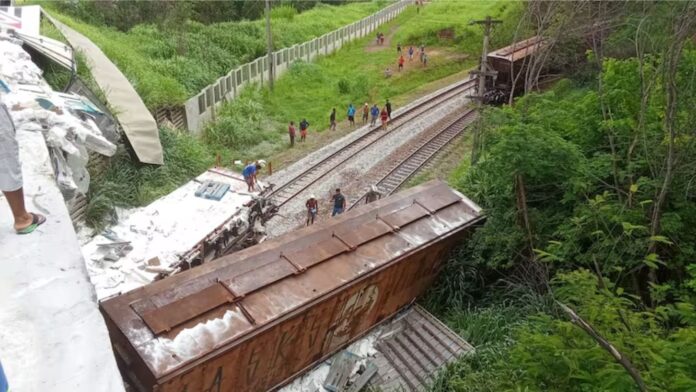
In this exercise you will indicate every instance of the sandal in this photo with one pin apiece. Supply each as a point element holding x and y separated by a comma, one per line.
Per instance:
<point>36,221</point>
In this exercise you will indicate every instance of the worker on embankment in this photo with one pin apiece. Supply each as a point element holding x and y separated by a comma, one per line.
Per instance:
<point>351,114</point>
<point>312,208</point>
<point>304,125</point>
<point>384,115</point>
<point>375,113</point>
<point>291,133</point>
<point>339,203</point>
<point>249,174</point>
<point>332,120</point>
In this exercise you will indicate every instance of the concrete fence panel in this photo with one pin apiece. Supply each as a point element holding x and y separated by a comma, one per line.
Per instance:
<point>201,108</point>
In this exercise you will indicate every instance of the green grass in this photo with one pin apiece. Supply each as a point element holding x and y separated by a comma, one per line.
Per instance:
<point>128,183</point>
<point>254,125</point>
<point>169,65</point>
<point>353,74</point>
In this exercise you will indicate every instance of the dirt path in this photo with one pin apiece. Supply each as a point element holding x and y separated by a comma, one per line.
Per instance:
<point>373,47</point>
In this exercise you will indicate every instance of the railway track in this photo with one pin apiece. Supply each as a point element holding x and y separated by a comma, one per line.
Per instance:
<point>424,152</point>
<point>296,185</point>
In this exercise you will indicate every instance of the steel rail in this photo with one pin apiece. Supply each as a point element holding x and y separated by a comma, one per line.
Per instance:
<point>302,181</point>
<point>405,169</point>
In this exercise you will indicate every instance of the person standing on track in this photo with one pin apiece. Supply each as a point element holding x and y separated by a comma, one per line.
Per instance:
<point>385,118</point>
<point>401,63</point>
<point>351,114</point>
<point>312,208</point>
<point>339,203</point>
<point>422,52</point>
<point>291,133</point>
<point>365,113</point>
<point>425,59</point>
<point>389,109</point>
<point>398,48</point>
<point>332,120</point>
<point>375,113</point>
<point>303,129</point>
<point>410,53</point>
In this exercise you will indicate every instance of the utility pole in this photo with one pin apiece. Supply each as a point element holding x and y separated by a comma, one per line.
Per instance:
<point>271,64</point>
<point>483,72</point>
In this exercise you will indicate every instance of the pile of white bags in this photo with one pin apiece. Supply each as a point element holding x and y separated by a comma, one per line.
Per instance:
<point>64,119</point>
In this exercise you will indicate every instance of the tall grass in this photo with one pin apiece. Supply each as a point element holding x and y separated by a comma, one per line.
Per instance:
<point>128,183</point>
<point>169,64</point>
<point>255,125</point>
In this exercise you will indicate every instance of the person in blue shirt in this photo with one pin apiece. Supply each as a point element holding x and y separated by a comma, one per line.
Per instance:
<point>339,203</point>
<point>4,385</point>
<point>249,174</point>
<point>375,114</point>
<point>351,114</point>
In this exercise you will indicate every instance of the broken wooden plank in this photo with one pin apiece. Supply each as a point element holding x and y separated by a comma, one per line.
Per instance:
<point>340,371</point>
<point>361,382</point>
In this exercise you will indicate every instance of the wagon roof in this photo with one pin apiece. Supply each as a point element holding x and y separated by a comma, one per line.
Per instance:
<point>520,49</point>
<point>181,319</point>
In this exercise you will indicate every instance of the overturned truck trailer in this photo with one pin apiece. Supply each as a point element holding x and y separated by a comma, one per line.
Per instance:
<point>253,320</point>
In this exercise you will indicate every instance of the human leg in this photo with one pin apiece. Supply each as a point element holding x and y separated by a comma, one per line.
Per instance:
<point>11,174</point>
<point>22,218</point>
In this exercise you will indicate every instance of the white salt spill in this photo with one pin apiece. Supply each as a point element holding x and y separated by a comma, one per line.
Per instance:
<point>192,342</point>
<point>164,230</point>
<point>314,379</point>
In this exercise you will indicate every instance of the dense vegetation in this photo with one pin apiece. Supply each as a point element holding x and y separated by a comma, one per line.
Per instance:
<point>170,59</point>
<point>588,190</point>
<point>253,126</point>
<point>353,74</point>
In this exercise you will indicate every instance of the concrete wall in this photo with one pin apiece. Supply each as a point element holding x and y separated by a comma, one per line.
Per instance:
<point>202,107</point>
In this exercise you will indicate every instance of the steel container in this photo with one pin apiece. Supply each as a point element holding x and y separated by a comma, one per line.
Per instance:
<point>253,320</point>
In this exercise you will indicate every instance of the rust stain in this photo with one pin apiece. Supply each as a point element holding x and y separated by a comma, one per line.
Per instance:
<point>252,320</point>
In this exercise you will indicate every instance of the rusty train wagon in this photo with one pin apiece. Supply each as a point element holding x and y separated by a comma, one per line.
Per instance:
<point>511,61</point>
<point>253,320</point>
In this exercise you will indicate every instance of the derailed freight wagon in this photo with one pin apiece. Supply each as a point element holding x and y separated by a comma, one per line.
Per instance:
<point>511,62</point>
<point>253,320</point>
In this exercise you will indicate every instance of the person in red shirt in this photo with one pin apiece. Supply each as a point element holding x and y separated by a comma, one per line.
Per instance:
<point>304,124</point>
<point>384,116</point>
<point>312,208</point>
<point>291,133</point>
<point>401,62</point>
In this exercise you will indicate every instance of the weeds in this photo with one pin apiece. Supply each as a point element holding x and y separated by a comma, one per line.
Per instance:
<point>128,183</point>
<point>167,64</point>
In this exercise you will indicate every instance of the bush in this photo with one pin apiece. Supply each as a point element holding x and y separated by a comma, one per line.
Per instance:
<point>128,183</point>
<point>343,86</point>
<point>169,56</point>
